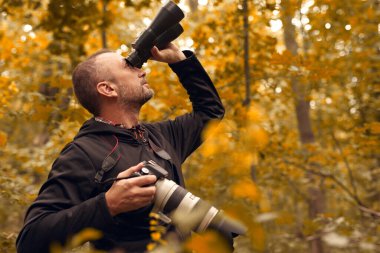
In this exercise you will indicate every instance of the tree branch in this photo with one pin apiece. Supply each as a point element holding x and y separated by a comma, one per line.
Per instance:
<point>292,185</point>
<point>358,203</point>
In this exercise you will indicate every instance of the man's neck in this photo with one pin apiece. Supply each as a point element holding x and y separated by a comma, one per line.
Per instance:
<point>126,118</point>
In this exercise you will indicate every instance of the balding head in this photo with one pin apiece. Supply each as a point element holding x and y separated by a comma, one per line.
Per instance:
<point>85,77</point>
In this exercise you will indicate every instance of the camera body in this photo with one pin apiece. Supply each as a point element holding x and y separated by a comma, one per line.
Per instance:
<point>186,211</point>
<point>152,168</point>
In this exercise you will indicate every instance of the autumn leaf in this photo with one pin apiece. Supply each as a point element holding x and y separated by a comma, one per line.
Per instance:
<point>207,242</point>
<point>87,234</point>
<point>245,189</point>
<point>375,128</point>
<point>3,139</point>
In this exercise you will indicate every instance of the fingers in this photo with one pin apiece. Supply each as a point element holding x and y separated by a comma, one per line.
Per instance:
<point>143,180</point>
<point>137,181</point>
<point>145,192</point>
<point>130,193</point>
<point>159,55</point>
<point>131,170</point>
<point>155,52</point>
<point>169,54</point>
<point>140,182</point>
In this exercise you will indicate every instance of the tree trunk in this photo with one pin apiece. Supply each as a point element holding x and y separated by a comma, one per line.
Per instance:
<point>316,196</point>
<point>247,100</point>
<point>247,75</point>
<point>193,4</point>
<point>103,28</point>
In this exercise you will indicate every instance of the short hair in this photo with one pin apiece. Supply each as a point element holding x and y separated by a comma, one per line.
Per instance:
<point>85,77</point>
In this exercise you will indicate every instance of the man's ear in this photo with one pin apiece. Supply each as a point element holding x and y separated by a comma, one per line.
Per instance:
<point>107,89</point>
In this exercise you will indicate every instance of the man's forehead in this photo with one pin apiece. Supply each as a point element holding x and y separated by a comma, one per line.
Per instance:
<point>109,57</point>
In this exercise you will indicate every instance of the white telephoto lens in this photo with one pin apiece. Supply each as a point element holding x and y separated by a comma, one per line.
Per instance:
<point>164,189</point>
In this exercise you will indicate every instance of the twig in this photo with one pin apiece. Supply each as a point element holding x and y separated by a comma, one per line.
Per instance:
<point>292,185</point>
<point>350,174</point>
<point>370,211</point>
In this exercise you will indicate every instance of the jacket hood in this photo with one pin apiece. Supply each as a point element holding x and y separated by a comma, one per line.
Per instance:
<point>131,135</point>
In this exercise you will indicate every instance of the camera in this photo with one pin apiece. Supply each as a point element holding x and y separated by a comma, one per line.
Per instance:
<point>164,28</point>
<point>172,200</point>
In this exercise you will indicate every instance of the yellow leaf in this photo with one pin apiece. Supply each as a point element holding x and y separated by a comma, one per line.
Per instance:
<point>3,139</point>
<point>151,246</point>
<point>208,242</point>
<point>256,137</point>
<point>153,222</point>
<point>155,236</point>
<point>374,127</point>
<point>41,112</point>
<point>254,114</point>
<point>242,163</point>
<point>246,189</point>
<point>209,149</point>
<point>257,235</point>
<point>213,128</point>
<point>85,235</point>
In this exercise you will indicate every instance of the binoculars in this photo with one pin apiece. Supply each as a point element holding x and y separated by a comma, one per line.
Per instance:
<point>164,28</point>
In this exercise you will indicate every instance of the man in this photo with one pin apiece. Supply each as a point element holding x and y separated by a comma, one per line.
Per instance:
<point>81,190</point>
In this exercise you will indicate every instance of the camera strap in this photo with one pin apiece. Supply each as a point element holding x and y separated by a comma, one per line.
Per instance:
<point>159,151</point>
<point>114,156</point>
<point>173,161</point>
<point>109,162</point>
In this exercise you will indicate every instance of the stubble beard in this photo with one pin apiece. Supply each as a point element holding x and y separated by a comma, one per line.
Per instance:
<point>136,98</point>
<point>148,93</point>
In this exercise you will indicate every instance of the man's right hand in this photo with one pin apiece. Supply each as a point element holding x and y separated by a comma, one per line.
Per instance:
<point>170,54</point>
<point>132,193</point>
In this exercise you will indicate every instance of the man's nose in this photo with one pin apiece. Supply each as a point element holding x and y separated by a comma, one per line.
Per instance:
<point>142,73</point>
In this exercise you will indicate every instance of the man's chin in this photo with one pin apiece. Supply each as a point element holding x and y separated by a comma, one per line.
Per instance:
<point>148,95</point>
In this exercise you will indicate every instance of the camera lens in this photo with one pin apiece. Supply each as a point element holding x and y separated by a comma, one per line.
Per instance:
<point>173,200</point>
<point>177,204</point>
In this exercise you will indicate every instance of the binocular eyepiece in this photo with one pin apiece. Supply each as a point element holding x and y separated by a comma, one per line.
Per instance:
<point>164,28</point>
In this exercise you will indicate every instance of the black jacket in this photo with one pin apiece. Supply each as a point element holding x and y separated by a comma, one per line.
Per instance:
<point>71,199</point>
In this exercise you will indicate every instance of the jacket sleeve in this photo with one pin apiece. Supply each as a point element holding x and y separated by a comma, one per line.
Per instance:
<point>184,132</point>
<point>64,205</point>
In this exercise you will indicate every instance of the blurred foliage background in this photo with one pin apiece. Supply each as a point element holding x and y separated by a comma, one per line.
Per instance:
<point>296,157</point>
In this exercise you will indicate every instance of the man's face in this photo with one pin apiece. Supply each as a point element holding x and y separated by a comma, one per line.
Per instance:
<point>132,87</point>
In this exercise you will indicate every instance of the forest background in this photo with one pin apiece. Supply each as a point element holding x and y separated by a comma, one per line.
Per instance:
<point>296,158</point>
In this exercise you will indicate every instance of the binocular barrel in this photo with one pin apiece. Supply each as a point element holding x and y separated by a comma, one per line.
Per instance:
<point>164,28</point>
